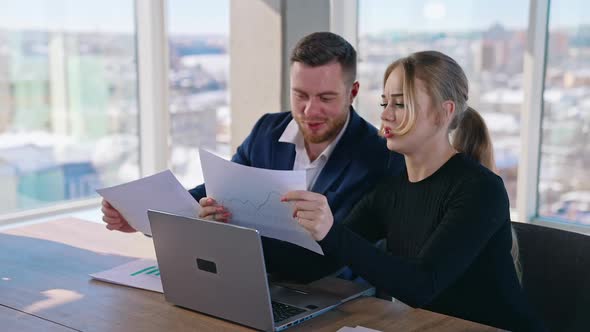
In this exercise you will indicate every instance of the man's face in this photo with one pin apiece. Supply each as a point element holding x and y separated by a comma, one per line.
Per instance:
<point>320,99</point>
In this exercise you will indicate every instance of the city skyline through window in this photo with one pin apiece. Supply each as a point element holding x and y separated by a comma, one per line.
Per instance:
<point>69,112</point>
<point>68,104</point>
<point>488,43</point>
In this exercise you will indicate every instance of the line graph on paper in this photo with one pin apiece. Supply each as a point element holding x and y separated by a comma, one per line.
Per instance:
<point>253,197</point>
<point>268,206</point>
<point>271,217</point>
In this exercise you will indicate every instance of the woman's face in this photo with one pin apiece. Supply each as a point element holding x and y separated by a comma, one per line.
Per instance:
<point>425,129</point>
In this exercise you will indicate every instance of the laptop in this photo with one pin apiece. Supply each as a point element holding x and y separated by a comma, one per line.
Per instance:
<point>218,269</point>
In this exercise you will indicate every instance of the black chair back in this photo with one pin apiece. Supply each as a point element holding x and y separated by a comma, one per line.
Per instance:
<point>556,275</point>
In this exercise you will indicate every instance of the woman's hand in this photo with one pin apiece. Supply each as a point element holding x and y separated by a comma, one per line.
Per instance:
<point>312,212</point>
<point>211,210</point>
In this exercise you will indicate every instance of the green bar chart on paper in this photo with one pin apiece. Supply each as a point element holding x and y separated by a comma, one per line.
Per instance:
<point>141,273</point>
<point>152,270</point>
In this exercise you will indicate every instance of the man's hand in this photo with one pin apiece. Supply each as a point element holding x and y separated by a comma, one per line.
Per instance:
<point>312,212</point>
<point>212,211</point>
<point>114,219</point>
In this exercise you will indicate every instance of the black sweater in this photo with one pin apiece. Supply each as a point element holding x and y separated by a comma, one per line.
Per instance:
<point>448,245</point>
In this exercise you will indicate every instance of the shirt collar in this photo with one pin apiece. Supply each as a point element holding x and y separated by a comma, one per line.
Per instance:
<point>292,135</point>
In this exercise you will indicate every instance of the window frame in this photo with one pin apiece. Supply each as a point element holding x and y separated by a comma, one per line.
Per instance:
<point>151,40</point>
<point>152,70</point>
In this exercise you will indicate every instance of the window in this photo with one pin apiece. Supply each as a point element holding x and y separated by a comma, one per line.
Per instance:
<point>564,184</point>
<point>199,73</point>
<point>68,100</point>
<point>486,38</point>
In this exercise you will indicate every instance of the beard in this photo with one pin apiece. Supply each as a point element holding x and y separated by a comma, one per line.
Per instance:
<point>327,134</point>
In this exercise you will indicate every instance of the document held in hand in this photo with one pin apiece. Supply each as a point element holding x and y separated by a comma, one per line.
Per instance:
<point>160,191</point>
<point>252,195</point>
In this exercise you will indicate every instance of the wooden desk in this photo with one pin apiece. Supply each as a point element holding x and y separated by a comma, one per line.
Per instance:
<point>44,272</point>
<point>13,320</point>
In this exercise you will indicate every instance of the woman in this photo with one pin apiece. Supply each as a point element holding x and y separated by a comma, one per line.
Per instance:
<point>446,218</point>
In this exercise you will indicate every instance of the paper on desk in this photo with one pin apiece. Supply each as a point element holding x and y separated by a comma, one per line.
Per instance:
<point>252,195</point>
<point>160,191</point>
<point>142,273</point>
<point>365,329</point>
<point>358,328</point>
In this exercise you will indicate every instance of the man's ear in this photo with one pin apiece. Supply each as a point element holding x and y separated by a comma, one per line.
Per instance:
<point>354,91</point>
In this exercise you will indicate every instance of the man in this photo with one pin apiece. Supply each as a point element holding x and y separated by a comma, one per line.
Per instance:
<point>342,154</point>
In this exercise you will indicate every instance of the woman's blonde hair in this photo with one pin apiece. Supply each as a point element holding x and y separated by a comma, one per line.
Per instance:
<point>445,80</point>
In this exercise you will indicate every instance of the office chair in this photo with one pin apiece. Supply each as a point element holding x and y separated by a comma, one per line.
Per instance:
<point>556,275</point>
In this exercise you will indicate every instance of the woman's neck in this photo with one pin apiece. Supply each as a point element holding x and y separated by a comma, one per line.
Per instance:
<point>428,160</point>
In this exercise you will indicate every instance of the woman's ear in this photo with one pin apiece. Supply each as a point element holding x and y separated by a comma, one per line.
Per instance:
<point>449,110</point>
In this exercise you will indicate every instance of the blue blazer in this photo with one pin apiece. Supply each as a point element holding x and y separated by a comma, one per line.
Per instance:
<point>357,162</point>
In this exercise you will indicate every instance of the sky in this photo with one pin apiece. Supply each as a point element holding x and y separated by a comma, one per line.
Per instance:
<point>440,15</point>
<point>184,16</point>
<point>212,16</point>
<point>462,15</point>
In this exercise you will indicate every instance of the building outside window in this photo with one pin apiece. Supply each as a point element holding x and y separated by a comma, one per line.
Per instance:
<point>485,37</point>
<point>68,100</point>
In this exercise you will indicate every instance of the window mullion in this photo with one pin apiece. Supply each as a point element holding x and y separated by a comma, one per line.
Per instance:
<point>532,109</point>
<point>152,67</point>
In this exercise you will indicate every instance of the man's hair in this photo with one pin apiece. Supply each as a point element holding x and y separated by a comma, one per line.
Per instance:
<point>320,48</point>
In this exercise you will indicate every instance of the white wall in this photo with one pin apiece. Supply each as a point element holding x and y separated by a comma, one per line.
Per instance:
<point>262,34</point>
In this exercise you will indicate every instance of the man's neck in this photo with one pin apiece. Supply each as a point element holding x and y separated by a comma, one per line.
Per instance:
<point>315,150</point>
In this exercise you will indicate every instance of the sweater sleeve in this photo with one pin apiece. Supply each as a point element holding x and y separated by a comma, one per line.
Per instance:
<point>303,265</point>
<point>476,209</point>
<point>364,218</point>
<point>286,261</point>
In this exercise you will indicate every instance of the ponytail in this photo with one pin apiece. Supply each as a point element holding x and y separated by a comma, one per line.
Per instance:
<point>470,135</point>
<point>515,252</point>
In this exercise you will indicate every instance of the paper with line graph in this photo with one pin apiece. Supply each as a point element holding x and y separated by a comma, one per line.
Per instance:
<point>141,273</point>
<point>252,195</point>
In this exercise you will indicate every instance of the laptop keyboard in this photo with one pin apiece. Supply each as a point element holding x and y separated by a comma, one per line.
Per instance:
<point>281,311</point>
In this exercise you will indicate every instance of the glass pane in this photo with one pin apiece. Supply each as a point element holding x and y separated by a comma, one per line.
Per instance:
<point>68,100</point>
<point>199,80</point>
<point>564,184</point>
<point>487,38</point>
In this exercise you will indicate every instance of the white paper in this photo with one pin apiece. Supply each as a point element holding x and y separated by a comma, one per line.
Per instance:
<point>358,328</point>
<point>142,273</point>
<point>160,191</point>
<point>252,195</point>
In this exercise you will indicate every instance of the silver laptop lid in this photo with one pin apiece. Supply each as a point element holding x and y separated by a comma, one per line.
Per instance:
<point>217,269</point>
